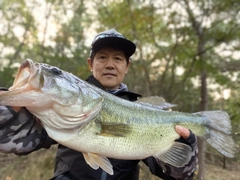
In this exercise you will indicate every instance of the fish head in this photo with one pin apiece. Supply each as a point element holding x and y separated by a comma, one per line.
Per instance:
<point>38,84</point>
<point>47,91</point>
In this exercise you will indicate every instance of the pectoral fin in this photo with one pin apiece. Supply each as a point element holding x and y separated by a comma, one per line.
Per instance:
<point>96,161</point>
<point>178,155</point>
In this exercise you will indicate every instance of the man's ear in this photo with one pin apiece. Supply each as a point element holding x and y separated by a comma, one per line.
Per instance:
<point>89,63</point>
<point>128,64</point>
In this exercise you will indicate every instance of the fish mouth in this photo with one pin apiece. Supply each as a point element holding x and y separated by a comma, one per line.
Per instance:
<point>27,71</point>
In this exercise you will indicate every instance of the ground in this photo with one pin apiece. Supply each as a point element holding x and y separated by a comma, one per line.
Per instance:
<point>39,166</point>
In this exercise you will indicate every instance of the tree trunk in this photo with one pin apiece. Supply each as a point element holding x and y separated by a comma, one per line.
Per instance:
<point>222,106</point>
<point>203,107</point>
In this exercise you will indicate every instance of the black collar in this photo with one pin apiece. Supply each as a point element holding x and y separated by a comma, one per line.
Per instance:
<point>122,94</point>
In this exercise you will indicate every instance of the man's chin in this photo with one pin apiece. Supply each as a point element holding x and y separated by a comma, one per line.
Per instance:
<point>110,86</point>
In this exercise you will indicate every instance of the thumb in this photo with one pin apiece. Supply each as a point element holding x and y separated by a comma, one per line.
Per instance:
<point>182,131</point>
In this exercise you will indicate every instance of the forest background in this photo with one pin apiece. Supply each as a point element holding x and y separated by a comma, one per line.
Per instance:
<point>188,51</point>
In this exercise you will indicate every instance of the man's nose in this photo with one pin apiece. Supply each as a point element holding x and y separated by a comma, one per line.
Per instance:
<point>110,63</point>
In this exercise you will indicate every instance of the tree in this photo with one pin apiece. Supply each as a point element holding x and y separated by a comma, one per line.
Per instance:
<point>172,35</point>
<point>27,35</point>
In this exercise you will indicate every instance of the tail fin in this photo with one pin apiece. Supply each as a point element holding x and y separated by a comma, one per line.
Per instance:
<point>218,133</point>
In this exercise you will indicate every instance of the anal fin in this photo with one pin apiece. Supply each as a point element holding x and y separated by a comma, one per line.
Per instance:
<point>96,161</point>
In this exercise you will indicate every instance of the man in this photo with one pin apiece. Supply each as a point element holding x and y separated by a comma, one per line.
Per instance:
<point>20,132</point>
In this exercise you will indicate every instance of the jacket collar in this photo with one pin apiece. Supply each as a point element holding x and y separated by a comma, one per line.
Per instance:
<point>91,79</point>
<point>123,94</point>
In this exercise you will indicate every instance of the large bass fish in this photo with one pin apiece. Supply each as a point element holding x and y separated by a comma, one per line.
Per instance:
<point>100,125</point>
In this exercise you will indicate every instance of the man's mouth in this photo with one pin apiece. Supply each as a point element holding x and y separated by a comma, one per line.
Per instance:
<point>109,74</point>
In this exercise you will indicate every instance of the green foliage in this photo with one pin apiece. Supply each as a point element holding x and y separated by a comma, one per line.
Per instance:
<point>30,36</point>
<point>6,76</point>
<point>168,36</point>
<point>172,39</point>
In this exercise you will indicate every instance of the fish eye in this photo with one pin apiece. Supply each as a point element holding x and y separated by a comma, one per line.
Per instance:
<point>56,71</point>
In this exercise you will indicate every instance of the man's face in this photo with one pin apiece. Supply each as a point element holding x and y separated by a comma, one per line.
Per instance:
<point>109,67</point>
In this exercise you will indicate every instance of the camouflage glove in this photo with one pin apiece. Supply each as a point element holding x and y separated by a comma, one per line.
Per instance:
<point>169,172</point>
<point>20,132</point>
<point>187,171</point>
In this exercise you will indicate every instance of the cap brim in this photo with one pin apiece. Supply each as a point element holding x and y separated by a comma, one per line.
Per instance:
<point>115,42</point>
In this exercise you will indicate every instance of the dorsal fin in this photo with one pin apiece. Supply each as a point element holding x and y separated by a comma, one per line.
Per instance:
<point>155,102</point>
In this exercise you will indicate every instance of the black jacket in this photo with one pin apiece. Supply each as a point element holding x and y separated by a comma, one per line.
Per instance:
<point>73,164</point>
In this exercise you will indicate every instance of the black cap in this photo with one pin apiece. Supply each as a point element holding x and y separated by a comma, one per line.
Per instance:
<point>112,38</point>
